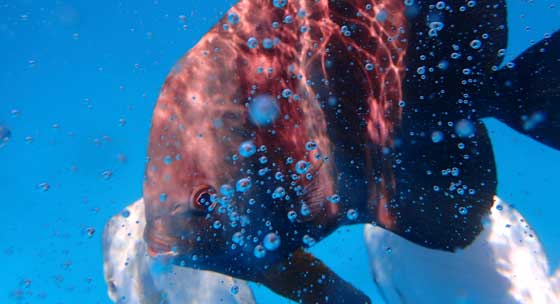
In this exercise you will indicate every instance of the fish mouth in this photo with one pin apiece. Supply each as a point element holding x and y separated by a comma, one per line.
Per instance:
<point>161,242</point>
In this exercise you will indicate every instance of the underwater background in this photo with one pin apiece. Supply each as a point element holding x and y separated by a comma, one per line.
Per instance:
<point>78,83</point>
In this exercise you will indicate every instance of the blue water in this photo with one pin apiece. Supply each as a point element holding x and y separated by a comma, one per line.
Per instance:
<point>78,81</point>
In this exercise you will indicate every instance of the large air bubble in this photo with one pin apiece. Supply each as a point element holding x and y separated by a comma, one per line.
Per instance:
<point>263,110</point>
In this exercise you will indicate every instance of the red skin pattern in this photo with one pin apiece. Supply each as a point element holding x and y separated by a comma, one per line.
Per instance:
<point>201,116</point>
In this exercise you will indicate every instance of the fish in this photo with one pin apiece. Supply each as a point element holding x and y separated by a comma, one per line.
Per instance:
<point>292,118</point>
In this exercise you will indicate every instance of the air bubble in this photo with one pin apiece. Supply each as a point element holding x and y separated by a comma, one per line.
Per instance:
<point>268,43</point>
<point>352,214</point>
<point>292,215</point>
<point>436,25</point>
<point>381,16</point>
<point>288,19</point>
<point>464,128</point>
<point>243,185</point>
<point>279,192</point>
<point>302,167</point>
<point>335,198</point>
<point>308,240</point>
<point>304,210</point>
<point>271,241</point>
<point>286,93</point>
<point>476,44</point>
<point>259,251</point>
<point>280,3</point>
<point>279,176</point>
<point>437,136</point>
<point>226,190</point>
<point>252,42</point>
<point>237,237</point>
<point>43,187</point>
<point>5,135</point>
<point>310,145</point>
<point>233,18</point>
<point>263,110</point>
<point>90,232</point>
<point>247,149</point>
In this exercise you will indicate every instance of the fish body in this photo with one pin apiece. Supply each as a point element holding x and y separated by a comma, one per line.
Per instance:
<point>291,118</point>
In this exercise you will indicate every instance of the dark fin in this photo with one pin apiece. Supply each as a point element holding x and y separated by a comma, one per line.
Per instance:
<point>445,69</point>
<point>428,208</point>
<point>526,96</point>
<point>305,279</point>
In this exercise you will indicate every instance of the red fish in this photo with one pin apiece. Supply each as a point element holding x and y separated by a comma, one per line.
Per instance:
<point>291,118</point>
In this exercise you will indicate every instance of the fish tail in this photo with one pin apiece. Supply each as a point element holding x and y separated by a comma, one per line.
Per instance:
<point>528,92</point>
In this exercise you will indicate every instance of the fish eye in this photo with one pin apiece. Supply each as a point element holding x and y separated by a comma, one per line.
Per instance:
<point>202,198</point>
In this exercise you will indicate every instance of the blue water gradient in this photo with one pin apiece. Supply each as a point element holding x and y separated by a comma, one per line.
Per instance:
<point>78,82</point>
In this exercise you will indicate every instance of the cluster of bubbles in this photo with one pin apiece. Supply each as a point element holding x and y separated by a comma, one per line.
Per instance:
<point>300,171</point>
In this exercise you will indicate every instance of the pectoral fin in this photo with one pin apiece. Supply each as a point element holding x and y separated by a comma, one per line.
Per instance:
<point>305,279</point>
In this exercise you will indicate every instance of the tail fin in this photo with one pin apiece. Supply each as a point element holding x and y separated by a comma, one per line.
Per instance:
<point>529,92</point>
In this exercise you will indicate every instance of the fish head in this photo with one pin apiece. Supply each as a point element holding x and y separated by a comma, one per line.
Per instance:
<point>210,181</point>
